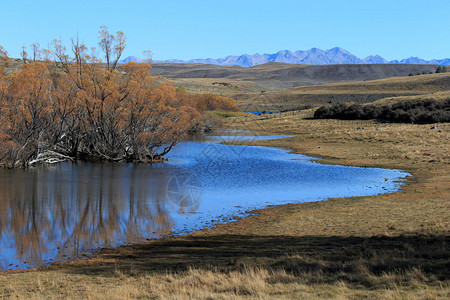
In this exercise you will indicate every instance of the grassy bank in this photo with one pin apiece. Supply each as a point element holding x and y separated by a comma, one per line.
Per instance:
<point>387,246</point>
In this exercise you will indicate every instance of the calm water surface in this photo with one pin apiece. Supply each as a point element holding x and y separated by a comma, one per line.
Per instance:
<point>62,211</point>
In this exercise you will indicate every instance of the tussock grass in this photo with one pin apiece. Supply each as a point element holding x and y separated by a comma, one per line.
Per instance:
<point>438,96</point>
<point>406,87</point>
<point>248,283</point>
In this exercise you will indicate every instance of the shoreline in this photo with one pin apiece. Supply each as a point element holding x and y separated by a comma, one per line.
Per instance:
<point>388,232</point>
<point>233,218</point>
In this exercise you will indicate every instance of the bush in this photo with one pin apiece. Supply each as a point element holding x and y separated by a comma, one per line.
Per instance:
<point>422,112</point>
<point>441,69</point>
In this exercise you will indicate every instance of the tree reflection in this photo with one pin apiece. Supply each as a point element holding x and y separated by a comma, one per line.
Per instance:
<point>55,212</point>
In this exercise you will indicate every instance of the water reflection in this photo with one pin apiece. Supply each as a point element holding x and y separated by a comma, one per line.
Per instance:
<point>54,212</point>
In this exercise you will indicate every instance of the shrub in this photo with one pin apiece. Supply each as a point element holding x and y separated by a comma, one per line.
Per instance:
<point>423,112</point>
<point>441,69</point>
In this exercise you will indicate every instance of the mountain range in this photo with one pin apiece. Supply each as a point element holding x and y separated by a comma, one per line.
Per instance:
<point>313,56</point>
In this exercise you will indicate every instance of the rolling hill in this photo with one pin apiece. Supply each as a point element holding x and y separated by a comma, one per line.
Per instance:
<point>430,86</point>
<point>274,76</point>
<point>313,56</point>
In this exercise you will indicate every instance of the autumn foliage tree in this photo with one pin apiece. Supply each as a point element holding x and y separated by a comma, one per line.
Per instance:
<point>79,106</point>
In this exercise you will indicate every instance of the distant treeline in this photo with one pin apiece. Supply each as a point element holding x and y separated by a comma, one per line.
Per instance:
<point>439,69</point>
<point>421,112</point>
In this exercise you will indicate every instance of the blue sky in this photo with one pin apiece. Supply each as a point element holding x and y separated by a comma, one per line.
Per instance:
<point>394,29</point>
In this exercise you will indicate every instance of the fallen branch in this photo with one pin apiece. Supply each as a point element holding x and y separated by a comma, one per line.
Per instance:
<point>50,157</point>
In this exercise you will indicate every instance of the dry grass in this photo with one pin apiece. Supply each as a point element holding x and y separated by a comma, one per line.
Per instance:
<point>358,92</point>
<point>219,86</point>
<point>438,96</point>
<point>124,284</point>
<point>277,86</point>
<point>387,246</point>
<point>253,95</point>
<point>249,283</point>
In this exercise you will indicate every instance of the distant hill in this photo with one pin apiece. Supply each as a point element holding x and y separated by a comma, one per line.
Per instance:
<point>280,86</point>
<point>274,76</point>
<point>420,87</point>
<point>313,56</point>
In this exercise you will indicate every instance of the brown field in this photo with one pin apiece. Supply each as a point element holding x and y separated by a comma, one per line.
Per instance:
<point>280,87</point>
<point>281,75</point>
<point>423,86</point>
<point>438,96</point>
<point>387,246</point>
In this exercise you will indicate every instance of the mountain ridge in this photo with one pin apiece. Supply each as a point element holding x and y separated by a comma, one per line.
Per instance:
<point>313,56</point>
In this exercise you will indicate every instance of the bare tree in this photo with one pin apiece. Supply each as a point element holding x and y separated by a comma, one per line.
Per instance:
<point>112,46</point>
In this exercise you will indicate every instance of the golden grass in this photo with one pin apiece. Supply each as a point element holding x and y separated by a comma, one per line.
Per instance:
<point>388,246</point>
<point>428,82</point>
<point>438,96</point>
<point>191,284</point>
<point>275,86</point>
<point>423,86</point>
<point>218,86</point>
<point>248,283</point>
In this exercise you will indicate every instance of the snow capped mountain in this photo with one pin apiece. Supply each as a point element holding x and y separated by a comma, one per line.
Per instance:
<point>314,56</point>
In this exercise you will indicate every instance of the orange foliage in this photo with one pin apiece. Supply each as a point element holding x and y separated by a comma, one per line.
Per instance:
<point>205,102</point>
<point>81,108</point>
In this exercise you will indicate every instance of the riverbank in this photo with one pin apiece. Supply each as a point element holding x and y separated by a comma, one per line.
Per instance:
<point>390,246</point>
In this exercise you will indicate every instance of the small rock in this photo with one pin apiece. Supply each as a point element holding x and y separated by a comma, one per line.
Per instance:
<point>433,127</point>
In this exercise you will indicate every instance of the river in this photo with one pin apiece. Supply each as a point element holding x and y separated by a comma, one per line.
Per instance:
<point>52,213</point>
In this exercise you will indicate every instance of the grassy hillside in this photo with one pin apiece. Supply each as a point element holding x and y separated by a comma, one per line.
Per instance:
<point>289,75</point>
<point>438,96</point>
<point>421,87</point>
<point>276,86</point>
